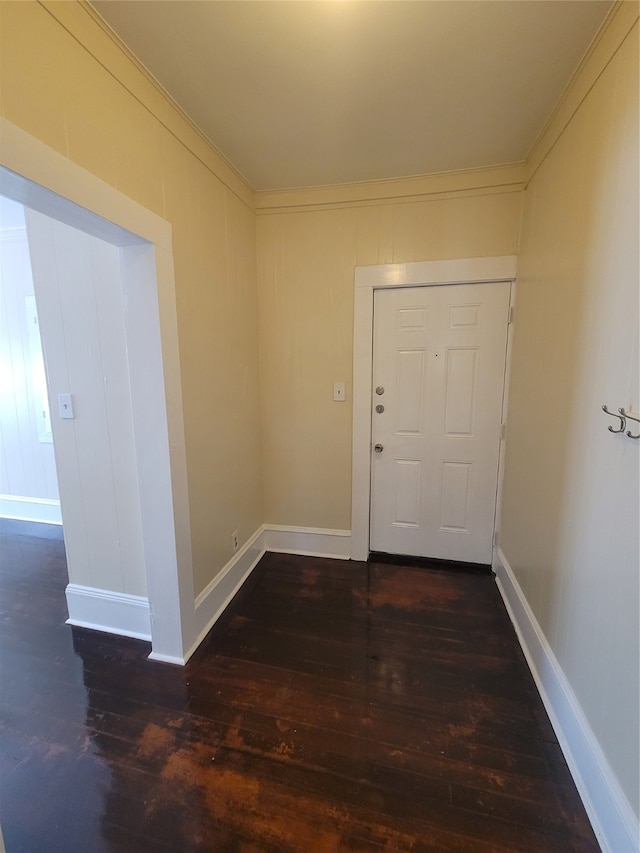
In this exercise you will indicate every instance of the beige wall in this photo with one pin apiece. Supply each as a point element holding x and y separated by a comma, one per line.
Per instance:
<point>306,262</point>
<point>570,515</point>
<point>64,81</point>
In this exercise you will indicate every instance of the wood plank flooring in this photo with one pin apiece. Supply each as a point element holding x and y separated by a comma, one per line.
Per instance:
<point>336,706</point>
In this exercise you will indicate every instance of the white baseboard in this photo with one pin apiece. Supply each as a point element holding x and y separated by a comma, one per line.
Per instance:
<point>611,815</point>
<point>129,615</point>
<point>164,659</point>
<point>215,597</point>
<point>112,612</point>
<point>44,510</point>
<point>308,541</point>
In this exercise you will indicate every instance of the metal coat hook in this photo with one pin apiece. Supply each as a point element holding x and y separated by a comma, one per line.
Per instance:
<point>621,417</point>
<point>630,417</point>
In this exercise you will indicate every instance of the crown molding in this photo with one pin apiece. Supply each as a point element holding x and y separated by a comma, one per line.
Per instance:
<point>85,25</point>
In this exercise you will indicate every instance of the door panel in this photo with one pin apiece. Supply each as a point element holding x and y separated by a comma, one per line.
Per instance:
<point>461,380</point>
<point>406,490</point>
<point>438,361</point>
<point>410,373</point>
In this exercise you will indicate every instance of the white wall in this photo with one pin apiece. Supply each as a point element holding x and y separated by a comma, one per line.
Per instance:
<point>79,293</point>
<point>28,484</point>
<point>570,506</point>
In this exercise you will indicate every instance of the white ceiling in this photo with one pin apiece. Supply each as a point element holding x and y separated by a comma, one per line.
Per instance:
<point>316,92</point>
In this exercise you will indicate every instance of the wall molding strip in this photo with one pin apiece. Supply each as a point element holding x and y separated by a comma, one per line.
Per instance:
<point>611,815</point>
<point>130,615</point>
<point>308,541</point>
<point>617,26</point>
<point>43,510</point>
<point>211,603</point>
<point>465,182</point>
<point>96,37</point>
<point>111,612</point>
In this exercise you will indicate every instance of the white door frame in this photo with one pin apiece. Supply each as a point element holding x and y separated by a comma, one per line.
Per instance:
<point>45,180</point>
<point>368,279</point>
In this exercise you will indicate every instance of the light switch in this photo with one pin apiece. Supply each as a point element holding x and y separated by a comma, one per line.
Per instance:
<point>65,404</point>
<point>338,392</point>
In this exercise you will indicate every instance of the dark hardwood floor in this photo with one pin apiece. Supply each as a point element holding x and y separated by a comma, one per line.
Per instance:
<point>336,706</point>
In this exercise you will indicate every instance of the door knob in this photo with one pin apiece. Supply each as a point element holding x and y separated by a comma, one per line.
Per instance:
<point>380,390</point>
<point>379,448</point>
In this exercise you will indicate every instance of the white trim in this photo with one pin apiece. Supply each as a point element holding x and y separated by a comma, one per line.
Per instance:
<point>308,541</point>
<point>465,182</point>
<point>615,29</point>
<point>211,603</point>
<point>115,612</point>
<point>43,510</point>
<point>505,415</point>
<point>611,815</point>
<point>160,658</point>
<point>367,279</point>
<point>111,612</point>
<point>59,186</point>
<point>45,180</point>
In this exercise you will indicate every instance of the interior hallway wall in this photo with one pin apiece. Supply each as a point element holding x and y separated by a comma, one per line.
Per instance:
<point>81,303</point>
<point>306,263</point>
<point>65,81</point>
<point>570,504</point>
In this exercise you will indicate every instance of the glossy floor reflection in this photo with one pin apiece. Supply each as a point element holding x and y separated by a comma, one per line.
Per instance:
<point>337,706</point>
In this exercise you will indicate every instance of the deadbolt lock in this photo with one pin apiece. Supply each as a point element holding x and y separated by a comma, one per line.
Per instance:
<point>379,390</point>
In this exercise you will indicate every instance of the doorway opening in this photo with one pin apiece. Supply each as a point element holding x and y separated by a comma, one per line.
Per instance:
<point>140,243</point>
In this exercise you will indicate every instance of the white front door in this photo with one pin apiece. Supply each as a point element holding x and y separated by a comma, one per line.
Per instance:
<point>438,379</point>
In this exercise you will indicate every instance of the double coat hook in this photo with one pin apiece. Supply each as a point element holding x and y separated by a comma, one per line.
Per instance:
<point>623,417</point>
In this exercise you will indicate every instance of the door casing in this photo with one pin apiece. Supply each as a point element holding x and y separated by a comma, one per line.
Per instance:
<point>39,177</point>
<point>367,280</point>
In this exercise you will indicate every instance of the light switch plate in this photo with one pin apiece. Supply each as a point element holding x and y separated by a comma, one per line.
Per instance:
<point>65,404</point>
<point>339,392</point>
